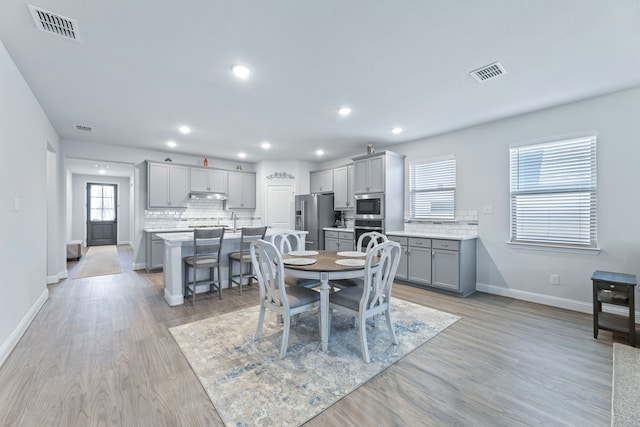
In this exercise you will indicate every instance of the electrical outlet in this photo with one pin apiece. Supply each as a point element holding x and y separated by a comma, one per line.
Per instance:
<point>487,209</point>
<point>16,204</point>
<point>554,279</point>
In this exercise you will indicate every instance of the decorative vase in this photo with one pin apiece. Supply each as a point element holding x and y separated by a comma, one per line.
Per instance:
<point>206,162</point>
<point>371,149</point>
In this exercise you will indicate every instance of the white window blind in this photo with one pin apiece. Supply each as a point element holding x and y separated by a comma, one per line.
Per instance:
<point>553,193</point>
<point>433,189</point>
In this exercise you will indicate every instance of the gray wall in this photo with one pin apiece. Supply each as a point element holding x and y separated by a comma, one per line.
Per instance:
<point>26,133</point>
<point>79,200</point>
<point>482,154</point>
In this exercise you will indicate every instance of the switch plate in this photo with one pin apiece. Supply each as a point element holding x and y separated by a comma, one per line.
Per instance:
<point>487,209</point>
<point>16,204</point>
<point>554,279</point>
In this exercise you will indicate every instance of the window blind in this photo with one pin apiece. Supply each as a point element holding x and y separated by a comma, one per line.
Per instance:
<point>553,193</point>
<point>433,189</point>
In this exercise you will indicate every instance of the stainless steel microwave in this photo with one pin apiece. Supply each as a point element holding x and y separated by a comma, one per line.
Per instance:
<point>370,206</point>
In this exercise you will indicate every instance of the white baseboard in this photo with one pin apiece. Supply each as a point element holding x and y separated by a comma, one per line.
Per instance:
<point>139,266</point>
<point>53,279</point>
<point>568,304</point>
<point>7,347</point>
<point>173,299</point>
<point>64,274</point>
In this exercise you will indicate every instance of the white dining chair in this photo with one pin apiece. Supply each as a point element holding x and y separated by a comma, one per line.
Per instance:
<point>375,296</point>
<point>373,239</point>
<point>286,242</point>
<point>287,301</point>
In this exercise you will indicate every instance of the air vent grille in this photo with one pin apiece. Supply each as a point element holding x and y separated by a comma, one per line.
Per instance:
<point>84,128</point>
<point>55,24</point>
<point>488,72</point>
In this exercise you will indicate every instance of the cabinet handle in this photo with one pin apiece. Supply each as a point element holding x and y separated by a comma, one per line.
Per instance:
<point>444,245</point>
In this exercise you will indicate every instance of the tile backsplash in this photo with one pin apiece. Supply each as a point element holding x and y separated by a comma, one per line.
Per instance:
<point>466,223</point>
<point>201,212</point>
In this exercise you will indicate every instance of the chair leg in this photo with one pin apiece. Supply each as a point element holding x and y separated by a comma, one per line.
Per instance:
<point>285,335</point>
<point>219,281</point>
<point>241,278</point>
<point>387,314</point>
<point>230,273</point>
<point>363,340</point>
<point>260,321</point>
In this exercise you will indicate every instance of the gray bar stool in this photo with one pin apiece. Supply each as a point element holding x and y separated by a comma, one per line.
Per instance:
<point>207,244</point>
<point>243,257</point>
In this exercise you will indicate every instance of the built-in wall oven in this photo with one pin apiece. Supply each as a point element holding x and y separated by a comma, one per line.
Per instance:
<point>370,206</point>
<point>362,226</point>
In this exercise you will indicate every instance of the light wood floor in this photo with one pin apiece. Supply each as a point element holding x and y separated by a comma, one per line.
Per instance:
<point>99,353</point>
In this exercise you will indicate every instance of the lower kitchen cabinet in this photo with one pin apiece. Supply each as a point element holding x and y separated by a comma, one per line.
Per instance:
<point>438,264</point>
<point>155,251</point>
<point>337,241</point>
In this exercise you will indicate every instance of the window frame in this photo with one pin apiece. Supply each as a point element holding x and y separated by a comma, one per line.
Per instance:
<point>570,189</point>
<point>446,187</point>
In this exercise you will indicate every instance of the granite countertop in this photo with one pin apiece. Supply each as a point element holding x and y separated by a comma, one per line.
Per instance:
<point>348,230</point>
<point>432,235</point>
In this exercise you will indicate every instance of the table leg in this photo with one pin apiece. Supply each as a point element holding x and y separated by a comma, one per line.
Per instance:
<point>324,310</point>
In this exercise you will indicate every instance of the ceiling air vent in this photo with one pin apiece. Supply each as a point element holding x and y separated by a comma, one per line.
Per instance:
<point>84,128</point>
<point>55,24</point>
<point>488,72</point>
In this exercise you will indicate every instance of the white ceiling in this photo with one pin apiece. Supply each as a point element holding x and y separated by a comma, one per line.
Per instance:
<point>145,67</point>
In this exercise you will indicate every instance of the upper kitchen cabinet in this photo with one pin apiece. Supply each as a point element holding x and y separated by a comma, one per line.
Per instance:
<point>343,178</point>
<point>321,181</point>
<point>167,185</point>
<point>208,180</point>
<point>242,190</point>
<point>369,174</point>
<point>378,173</point>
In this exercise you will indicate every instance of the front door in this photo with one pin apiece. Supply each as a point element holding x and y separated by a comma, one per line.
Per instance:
<point>102,224</point>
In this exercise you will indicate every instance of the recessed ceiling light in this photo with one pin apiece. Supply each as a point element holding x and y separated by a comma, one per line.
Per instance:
<point>184,129</point>
<point>344,111</point>
<point>242,155</point>
<point>319,152</point>
<point>396,131</point>
<point>102,171</point>
<point>266,145</point>
<point>171,144</point>
<point>241,71</point>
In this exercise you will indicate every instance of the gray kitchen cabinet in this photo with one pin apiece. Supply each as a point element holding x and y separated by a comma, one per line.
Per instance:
<point>321,181</point>
<point>337,241</point>
<point>439,264</point>
<point>208,180</point>
<point>167,185</point>
<point>241,192</point>
<point>155,251</point>
<point>369,175</point>
<point>419,261</point>
<point>343,181</point>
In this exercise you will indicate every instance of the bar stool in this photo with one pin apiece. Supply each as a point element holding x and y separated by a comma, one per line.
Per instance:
<point>243,257</point>
<point>207,244</point>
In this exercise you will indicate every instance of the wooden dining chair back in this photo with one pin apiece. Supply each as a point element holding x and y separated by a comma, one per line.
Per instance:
<point>248,235</point>
<point>287,301</point>
<point>207,244</point>
<point>366,241</point>
<point>286,242</point>
<point>375,296</point>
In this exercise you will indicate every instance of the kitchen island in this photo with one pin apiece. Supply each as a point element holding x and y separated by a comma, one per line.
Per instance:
<point>179,245</point>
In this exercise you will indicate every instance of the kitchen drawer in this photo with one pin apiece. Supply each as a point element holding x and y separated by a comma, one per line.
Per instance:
<point>419,242</point>
<point>452,245</point>
<point>332,234</point>
<point>345,235</point>
<point>402,240</point>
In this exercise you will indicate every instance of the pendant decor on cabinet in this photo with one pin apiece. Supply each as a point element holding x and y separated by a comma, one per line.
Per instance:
<point>206,162</point>
<point>280,175</point>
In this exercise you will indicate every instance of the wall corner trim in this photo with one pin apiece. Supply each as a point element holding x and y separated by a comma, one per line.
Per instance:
<point>7,347</point>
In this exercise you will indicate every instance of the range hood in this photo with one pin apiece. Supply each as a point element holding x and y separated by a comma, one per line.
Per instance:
<point>207,195</point>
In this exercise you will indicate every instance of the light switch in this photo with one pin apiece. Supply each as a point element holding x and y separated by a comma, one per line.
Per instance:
<point>16,204</point>
<point>487,209</point>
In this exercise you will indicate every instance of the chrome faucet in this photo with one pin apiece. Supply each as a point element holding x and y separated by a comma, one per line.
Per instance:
<point>234,217</point>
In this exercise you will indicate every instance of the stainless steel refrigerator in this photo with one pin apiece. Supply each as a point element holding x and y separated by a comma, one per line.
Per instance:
<point>314,212</point>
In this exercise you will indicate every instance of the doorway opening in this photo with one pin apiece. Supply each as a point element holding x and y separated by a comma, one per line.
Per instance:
<point>102,221</point>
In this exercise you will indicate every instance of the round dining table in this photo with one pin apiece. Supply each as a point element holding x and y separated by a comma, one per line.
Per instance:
<point>325,269</point>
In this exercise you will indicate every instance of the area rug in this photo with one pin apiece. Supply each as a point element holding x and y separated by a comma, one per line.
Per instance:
<point>248,383</point>
<point>625,397</point>
<point>99,261</point>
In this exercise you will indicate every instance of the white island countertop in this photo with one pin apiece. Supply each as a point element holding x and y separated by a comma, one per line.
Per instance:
<point>348,230</point>
<point>187,236</point>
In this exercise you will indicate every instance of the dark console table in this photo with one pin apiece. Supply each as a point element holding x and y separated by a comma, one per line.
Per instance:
<point>617,289</point>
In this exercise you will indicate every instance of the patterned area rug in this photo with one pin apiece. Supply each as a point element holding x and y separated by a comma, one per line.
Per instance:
<point>249,384</point>
<point>625,398</point>
<point>99,261</point>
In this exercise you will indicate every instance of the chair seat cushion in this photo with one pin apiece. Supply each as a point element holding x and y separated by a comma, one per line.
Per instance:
<point>299,296</point>
<point>349,298</point>
<point>246,257</point>
<point>202,260</point>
